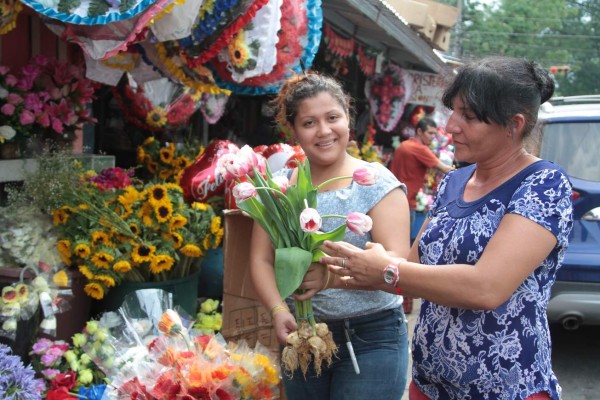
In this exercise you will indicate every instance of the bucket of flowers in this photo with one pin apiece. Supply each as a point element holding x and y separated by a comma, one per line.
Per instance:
<point>119,232</point>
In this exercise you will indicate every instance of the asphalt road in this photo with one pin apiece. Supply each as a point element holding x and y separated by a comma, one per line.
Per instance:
<point>575,359</point>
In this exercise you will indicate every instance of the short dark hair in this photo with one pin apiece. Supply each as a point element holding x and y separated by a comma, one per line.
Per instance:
<point>425,123</point>
<point>496,88</point>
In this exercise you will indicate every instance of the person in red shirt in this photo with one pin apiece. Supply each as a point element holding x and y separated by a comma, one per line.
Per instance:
<point>411,160</point>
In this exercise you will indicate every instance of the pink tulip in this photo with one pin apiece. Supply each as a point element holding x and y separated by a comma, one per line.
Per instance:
<point>359,223</point>
<point>7,109</point>
<point>232,167</point>
<point>283,183</point>
<point>365,176</point>
<point>26,117</point>
<point>243,191</point>
<point>310,220</point>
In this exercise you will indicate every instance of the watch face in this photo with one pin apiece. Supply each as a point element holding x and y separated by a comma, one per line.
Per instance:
<point>388,274</point>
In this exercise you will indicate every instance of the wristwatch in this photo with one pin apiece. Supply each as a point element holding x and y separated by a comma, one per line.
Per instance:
<point>391,275</point>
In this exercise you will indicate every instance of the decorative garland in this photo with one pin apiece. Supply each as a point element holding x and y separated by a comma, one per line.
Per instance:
<point>9,10</point>
<point>366,63</point>
<point>337,44</point>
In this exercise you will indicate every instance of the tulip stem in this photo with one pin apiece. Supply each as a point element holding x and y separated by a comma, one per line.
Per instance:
<point>328,181</point>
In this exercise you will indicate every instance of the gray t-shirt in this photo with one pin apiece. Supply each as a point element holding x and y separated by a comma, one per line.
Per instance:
<point>333,304</point>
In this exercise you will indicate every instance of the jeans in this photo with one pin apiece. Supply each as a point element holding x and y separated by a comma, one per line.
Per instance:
<point>380,343</point>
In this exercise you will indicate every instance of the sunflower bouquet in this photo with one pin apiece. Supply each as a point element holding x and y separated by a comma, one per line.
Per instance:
<point>167,162</point>
<point>114,229</point>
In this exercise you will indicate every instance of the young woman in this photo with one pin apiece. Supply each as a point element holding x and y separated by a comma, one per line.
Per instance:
<point>316,109</point>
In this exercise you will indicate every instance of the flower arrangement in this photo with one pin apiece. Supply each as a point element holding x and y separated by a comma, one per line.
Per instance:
<point>65,368</point>
<point>46,96</point>
<point>209,319</point>
<point>113,230</point>
<point>387,93</point>
<point>288,214</point>
<point>167,162</point>
<point>17,381</point>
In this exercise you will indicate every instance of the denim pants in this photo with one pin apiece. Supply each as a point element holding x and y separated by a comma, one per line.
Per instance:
<point>380,343</point>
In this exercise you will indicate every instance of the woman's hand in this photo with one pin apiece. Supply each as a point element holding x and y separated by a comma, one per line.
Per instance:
<point>314,281</point>
<point>284,323</point>
<point>358,268</point>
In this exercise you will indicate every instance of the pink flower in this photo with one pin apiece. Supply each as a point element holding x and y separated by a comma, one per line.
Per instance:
<point>283,183</point>
<point>11,80</point>
<point>359,223</point>
<point>365,176</point>
<point>14,98</point>
<point>233,167</point>
<point>243,191</point>
<point>4,70</point>
<point>41,346</point>
<point>26,117</point>
<point>43,119</point>
<point>34,103</point>
<point>7,109</point>
<point>310,220</point>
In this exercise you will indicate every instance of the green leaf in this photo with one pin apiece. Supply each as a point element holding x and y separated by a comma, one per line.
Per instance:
<point>126,5</point>
<point>97,7</point>
<point>66,6</point>
<point>291,264</point>
<point>335,235</point>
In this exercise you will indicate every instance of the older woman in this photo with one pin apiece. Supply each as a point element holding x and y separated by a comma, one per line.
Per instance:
<point>487,255</point>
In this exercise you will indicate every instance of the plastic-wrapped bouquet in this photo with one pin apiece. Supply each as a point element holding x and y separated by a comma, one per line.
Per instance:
<point>156,355</point>
<point>288,214</point>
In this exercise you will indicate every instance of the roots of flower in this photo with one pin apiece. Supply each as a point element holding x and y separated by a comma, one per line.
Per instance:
<point>303,347</point>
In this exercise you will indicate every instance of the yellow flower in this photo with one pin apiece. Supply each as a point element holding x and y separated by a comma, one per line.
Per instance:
<point>61,216</point>
<point>134,228</point>
<point>199,206</point>
<point>148,140</point>
<point>181,162</point>
<point>108,281</point>
<point>100,238</point>
<point>177,221</point>
<point>129,197</point>
<point>163,212</point>
<point>215,225</point>
<point>85,271</point>
<point>170,323</point>
<point>239,53</point>
<point>176,238</point>
<point>82,250</point>
<point>143,253</point>
<point>61,278</point>
<point>102,259</point>
<point>166,153</point>
<point>206,242</point>
<point>218,237</point>
<point>164,174</point>
<point>158,194</point>
<point>64,249</point>
<point>157,118</point>
<point>161,262</point>
<point>152,167</point>
<point>122,266</point>
<point>94,290</point>
<point>191,250</point>
<point>146,213</point>
<point>140,154</point>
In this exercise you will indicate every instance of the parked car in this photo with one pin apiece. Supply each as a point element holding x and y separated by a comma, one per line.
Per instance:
<point>570,136</point>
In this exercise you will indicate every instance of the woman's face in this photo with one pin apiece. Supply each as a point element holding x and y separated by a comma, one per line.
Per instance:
<point>322,129</point>
<point>474,140</point>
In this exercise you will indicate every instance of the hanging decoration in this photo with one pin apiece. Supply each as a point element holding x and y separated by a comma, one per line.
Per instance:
<point>388,93</point>
<point>9,10</point>
<point>178,22</point>
<point>111,70</point>
<point>213,106</point>
<point>298,40</point>
<point>366,60</point>
<point>253,51</point>
<point>337,45</point>
<point>156,105</point>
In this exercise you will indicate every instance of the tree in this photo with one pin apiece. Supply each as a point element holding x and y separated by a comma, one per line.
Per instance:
<point>551,32</point>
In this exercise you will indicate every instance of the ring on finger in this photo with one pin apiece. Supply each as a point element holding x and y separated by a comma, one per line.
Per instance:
<point>343,263</point>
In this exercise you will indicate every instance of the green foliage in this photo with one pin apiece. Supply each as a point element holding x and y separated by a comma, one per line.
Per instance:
<point>97,7</point>
<point>126,5</point>
<point>551,32</point>
<point>66,6</point>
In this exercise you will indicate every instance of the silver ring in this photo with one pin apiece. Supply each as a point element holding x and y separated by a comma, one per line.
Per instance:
<point>343,263</point>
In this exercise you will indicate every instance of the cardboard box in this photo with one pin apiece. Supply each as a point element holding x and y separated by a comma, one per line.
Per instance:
<point>443,14</point>
<point>428,31</point>
<point>413,12</point>
<point>441,38</point>
<point>243,315</point>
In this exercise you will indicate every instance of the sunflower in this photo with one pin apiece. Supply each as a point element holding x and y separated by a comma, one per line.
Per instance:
<point>143,253</point>
<point>163,212</point>
<point>239,52</point>
<point>158,194</point>
<point>164,174</point>
<point>215,225</point>
<point>108,281</point>
<point>177,221</point>
<point>94,290</point>
<point>100,238</point>
<point>152,167</point>
<point>176,238</point>
<point>191,250</point>
<point>61,216</point>
<point>64,249</point>
<point>146,213</point>
<point>85,271</point>
<point>61,278</point>
<point>166,153</point>
<point>199,206</point>
<point>102,259</point>
<point>82,250</point>
<point>129,196</point>
<point>134,228</point>
<point>122,266</point>
<point>157,117</point>
<point>161,262</point>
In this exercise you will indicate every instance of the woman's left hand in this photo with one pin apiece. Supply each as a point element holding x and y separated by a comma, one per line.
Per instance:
<point>358,268</point>
<point>313,281</point>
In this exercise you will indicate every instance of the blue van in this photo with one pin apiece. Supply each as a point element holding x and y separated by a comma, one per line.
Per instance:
<point>568,133</point>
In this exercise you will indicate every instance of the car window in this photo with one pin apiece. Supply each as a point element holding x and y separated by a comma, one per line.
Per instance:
<point>575,146</point>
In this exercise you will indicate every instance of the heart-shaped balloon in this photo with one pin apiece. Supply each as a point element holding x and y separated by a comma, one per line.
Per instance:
<point>201,180</point>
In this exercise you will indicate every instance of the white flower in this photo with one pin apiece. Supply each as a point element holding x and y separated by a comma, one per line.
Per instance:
<point>3,93</point>
<point>7,132</point>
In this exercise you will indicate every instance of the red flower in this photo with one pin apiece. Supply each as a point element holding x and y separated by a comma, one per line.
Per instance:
<point>61,393</point>
<point>66,380</point>
<point>133,390</point>
<point>167,386</point>
<point>223,395</point>
<point>200,393</point>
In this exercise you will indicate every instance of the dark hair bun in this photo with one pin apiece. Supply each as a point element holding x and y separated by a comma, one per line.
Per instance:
<point>544,81</point>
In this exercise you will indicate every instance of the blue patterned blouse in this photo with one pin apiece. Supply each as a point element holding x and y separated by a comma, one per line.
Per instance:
<point>502,353</point>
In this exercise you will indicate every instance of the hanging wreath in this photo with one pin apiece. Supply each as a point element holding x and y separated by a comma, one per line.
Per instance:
<point>337,45</point>
<point>387,93</point>
<point>9,10</point>
<point>366,60</point>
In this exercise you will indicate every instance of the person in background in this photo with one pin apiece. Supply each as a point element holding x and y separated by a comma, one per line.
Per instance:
<point>413,157</point>
<point>487,256</point>
<point>317,111</point>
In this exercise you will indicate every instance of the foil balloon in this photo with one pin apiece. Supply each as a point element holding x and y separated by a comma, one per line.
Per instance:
<point>277,155</point>
<point>299,156</point>
<point>201,181</point>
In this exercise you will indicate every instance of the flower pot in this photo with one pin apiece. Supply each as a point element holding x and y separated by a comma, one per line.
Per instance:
<point>210,283</point>
<point>10,150</point>
<point>185,293</point>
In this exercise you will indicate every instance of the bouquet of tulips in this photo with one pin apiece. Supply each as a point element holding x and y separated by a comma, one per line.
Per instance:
<point>288,214</point>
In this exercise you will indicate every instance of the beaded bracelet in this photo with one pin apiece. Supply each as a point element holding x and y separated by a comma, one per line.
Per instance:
<point>278,308</point>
